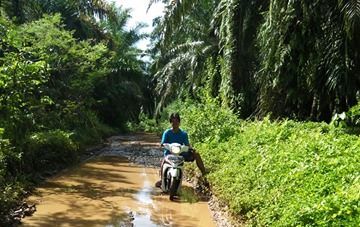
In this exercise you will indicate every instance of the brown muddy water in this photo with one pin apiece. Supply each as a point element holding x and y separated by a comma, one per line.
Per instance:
<point>110,191</point>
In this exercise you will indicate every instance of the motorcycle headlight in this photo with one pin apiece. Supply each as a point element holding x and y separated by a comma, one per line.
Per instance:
<point>175,150</point>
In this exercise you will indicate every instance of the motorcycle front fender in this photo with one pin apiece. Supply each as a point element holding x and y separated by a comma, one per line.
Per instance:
<point>175,172</point>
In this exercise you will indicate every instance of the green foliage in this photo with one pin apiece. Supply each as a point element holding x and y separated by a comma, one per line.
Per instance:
<point>306,61</point>
<point>354,115</point>
<point>216,123</point>
<point>348,121</point>
<point>49,79</point>
<point>49,150</point>
<point>287,173</point>
<point>285,59</point>
<point>54,81</point>
<point>180,59</point>
<point>57,91</point>
<point>90,130</point>
<point>9,197</point>
<point>281,173</point>
<point>9,190</point>
<point>4,146</point>
<point>145,124</point>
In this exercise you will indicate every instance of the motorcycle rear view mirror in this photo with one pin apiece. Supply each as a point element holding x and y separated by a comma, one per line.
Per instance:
<point>184,149</point>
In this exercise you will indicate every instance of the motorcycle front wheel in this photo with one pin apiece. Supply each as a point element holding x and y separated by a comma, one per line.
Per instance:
<point>174,184</point>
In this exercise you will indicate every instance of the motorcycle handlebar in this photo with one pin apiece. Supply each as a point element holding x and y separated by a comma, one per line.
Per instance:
<point>190,148</point>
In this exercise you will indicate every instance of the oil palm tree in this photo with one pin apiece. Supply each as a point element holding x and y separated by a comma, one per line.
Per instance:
<point>79,15</point>
<point>183,45</point>
<point>236,23</point>
<point>308,68</point>
<point>230,36</point>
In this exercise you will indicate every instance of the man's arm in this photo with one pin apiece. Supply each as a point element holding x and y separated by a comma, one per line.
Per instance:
<point>163,138</point>
<point>187,143</point>
<point>186,140</point>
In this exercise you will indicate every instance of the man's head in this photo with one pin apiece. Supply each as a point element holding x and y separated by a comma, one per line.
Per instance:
<point>175,120</point>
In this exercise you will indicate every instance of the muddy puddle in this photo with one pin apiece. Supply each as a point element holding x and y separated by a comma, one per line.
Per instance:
<point>110,191</point>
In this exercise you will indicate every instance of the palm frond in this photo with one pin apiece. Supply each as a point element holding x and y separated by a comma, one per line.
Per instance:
<point>351,11</point>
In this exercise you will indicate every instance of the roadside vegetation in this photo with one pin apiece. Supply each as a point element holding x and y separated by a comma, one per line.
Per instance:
<point>276,173</point>
<point>69,76</point>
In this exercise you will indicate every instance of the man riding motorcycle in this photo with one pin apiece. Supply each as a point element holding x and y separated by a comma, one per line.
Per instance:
<point>177,135</point>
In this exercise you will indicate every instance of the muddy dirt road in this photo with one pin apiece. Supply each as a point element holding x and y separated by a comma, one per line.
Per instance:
<point>116,188</point>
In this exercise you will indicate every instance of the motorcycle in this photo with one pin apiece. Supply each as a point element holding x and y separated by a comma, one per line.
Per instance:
<point>172,169</point>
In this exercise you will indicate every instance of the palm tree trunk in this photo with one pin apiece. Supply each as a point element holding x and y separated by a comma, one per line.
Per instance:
<point>18,11</point>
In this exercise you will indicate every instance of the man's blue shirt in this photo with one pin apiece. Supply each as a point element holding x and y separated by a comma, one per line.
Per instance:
<point>169,136</point>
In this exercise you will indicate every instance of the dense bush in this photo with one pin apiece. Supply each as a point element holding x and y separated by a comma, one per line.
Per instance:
<point>3,148</point>
<point>48,150</point>
<point>348,121</point>
<point>144,124</point>
<point>354,115</point>
<point>199,119</point>
<point>9,190</point>
<point>283,173</point>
